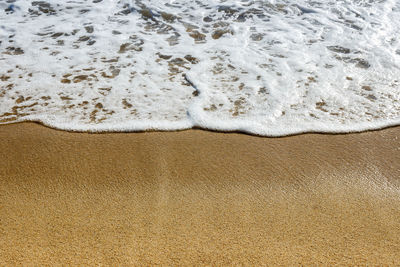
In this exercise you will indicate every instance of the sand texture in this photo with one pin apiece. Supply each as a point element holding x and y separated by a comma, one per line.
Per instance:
<point>198,198</point>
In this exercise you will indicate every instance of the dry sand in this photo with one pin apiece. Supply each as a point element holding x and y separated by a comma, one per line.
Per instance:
<point>198,198</point>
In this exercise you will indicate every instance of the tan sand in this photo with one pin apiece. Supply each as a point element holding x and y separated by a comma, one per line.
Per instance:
<point>198,198</point>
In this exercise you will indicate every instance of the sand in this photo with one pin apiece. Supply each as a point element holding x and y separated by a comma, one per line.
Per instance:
<point>198,198</point>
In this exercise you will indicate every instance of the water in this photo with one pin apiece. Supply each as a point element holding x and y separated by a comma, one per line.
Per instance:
<point>264,67</point>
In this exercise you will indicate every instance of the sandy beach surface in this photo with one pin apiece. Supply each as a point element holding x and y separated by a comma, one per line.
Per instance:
<point>198,198</point>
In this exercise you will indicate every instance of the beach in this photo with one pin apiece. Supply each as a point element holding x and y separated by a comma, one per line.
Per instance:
<point>199,133</point>
<point>197,197</point>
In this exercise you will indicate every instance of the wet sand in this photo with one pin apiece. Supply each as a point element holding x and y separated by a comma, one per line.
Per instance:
<point>198,198</point>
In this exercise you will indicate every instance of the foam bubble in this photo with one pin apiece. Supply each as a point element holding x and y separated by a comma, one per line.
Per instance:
<point>264,67</point>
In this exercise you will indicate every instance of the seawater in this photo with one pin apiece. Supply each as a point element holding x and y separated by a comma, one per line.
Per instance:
<point>272,67</point>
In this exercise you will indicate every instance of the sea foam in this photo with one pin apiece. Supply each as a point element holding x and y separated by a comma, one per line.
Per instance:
<point>264,67</point>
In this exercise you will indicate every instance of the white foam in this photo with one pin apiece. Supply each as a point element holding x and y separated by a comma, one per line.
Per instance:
<point>263,67</point>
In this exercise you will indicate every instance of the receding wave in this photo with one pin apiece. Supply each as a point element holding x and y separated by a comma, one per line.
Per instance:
<point>272,68</point>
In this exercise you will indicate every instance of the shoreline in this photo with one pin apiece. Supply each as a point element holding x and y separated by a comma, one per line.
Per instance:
<point>198,197</point>
<point>342,131</point>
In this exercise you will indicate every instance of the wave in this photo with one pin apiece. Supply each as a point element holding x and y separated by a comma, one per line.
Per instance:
<point>269,68</point>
